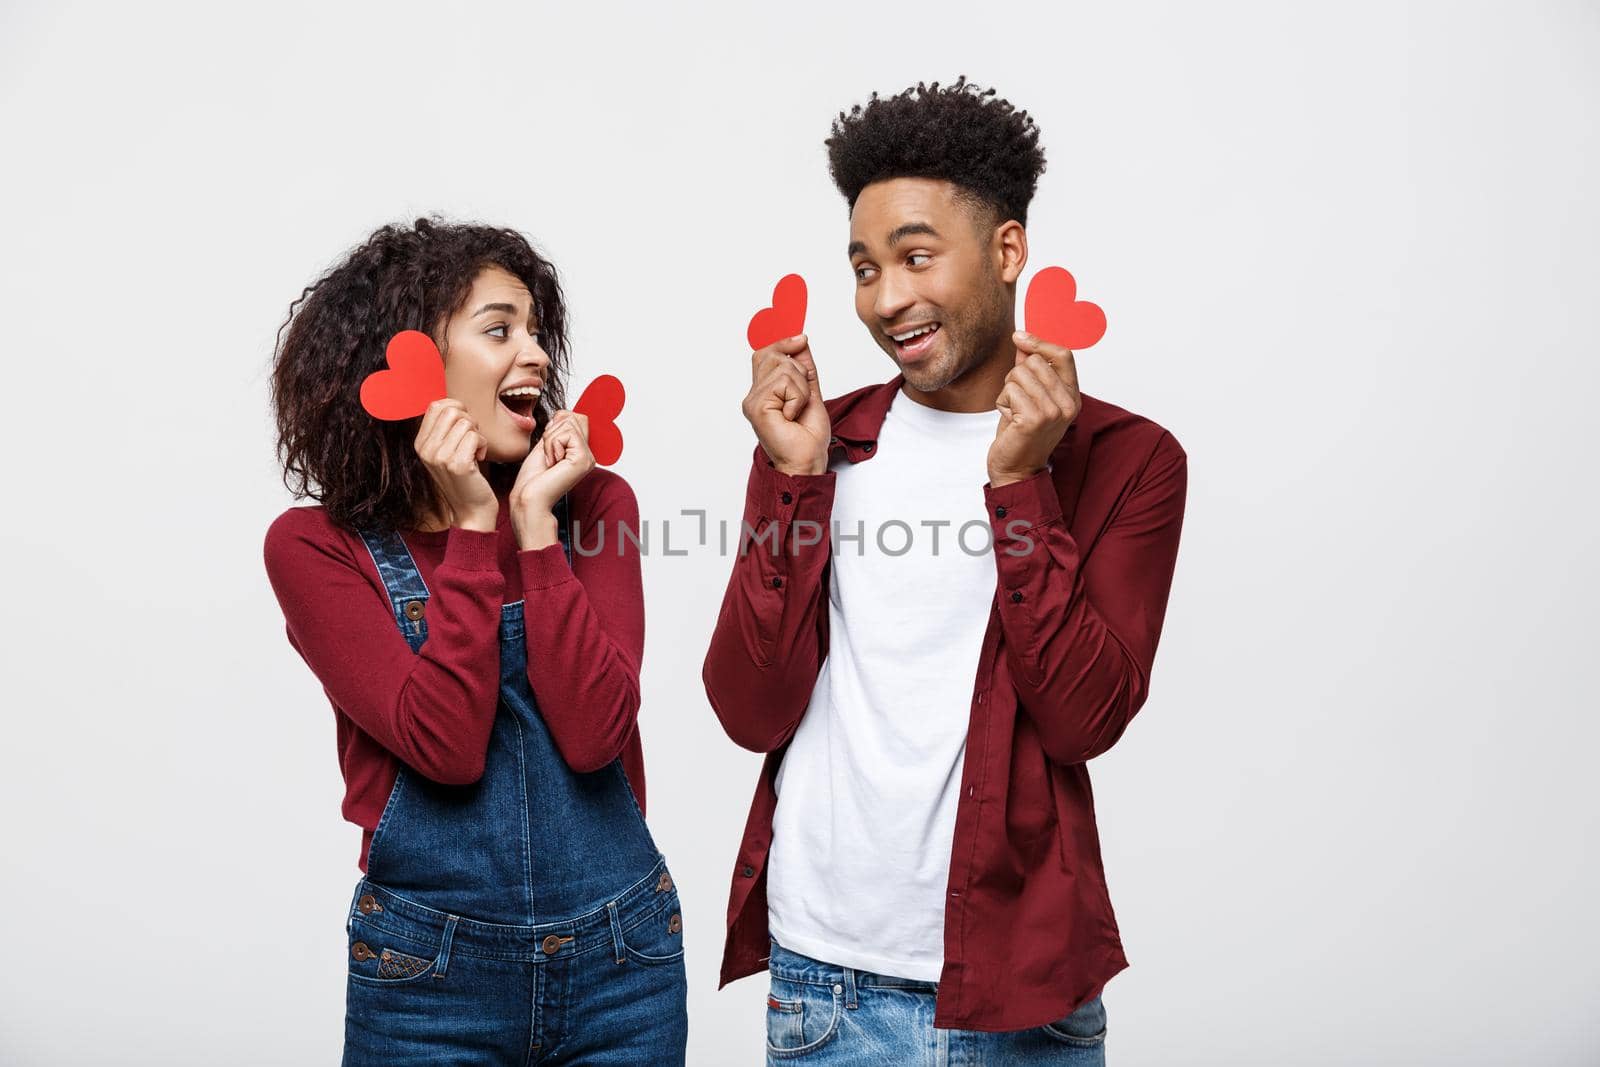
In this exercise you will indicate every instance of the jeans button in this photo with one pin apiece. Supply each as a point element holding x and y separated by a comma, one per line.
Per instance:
<point>368,904</point>
<point>675,923</point>
<point>361,952</point>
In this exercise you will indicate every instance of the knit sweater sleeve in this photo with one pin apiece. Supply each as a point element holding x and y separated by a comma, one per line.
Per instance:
<point>434,709</point>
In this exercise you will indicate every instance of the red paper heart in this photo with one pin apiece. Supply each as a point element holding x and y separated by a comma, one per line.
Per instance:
<point>602,403</point>
<point>414,380</point>
<point>1054,313</point>
<point>785,318</point>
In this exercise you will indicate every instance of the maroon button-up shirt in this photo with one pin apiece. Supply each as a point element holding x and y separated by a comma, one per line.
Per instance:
<point>1084,554</point>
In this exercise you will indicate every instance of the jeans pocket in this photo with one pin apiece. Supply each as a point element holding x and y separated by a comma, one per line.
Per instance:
<point>1084,1028</point>
<point>658,938</point>
<point>801,1017</point>
<point>379,956</point>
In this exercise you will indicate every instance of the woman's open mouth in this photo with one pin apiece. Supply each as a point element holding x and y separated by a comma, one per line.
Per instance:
<point>911,345</point>
<point>519,404</point>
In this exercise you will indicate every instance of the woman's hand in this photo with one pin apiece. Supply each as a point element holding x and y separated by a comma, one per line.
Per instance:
<point>450,447</point>
<point>558,461</point>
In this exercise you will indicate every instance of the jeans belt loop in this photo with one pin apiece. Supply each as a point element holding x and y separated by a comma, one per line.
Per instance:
<point>850,988</point>
<point>444,949</point>
<point>616,930</point>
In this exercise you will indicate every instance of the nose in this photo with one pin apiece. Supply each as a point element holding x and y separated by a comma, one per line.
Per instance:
<point>892,296</point>
<point>534,357</point>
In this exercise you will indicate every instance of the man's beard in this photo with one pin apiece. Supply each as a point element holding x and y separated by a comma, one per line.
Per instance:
<point>970,342</point>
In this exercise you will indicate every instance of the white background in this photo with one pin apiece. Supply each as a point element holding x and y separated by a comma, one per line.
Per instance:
<point>1349,257</point>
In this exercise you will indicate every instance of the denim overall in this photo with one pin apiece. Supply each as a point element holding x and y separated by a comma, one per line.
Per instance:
<point>525,918</point>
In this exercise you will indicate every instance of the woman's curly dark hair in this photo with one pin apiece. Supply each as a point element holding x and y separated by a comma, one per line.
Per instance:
<point>962,134</point>
<point>365,472</point>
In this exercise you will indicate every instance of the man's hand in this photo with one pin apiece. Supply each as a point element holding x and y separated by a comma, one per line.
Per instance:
<point>1037,403</point>
<point>785,407</point>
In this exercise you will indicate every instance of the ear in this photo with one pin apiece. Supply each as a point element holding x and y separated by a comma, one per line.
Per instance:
<point>1010,250</point>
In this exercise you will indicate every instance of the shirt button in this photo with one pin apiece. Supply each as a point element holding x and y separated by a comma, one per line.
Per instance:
<point>748,871</point>
<point>1000,510</point>
<point>777,583</point>
<point>414,609</point>
<point>867,447</point>
<point>1016,597</point>
<point>787,498</point>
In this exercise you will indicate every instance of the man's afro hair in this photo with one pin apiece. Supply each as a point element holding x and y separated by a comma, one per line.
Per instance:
<point>961,133</point>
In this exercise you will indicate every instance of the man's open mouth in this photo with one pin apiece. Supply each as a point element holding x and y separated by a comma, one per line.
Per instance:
<point>916,340</point>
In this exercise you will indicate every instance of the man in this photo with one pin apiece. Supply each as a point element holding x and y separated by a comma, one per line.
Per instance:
<point>938,616</point>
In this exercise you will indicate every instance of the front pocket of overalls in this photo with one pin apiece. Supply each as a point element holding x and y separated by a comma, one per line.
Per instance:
<point>383,957</point>
<point>659,938</point>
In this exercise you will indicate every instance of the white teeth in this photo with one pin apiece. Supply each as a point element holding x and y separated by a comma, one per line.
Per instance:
<point>522,390</point>
<point>902,338</point>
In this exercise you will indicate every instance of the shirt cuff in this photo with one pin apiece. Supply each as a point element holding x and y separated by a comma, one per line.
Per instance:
<point>543,567</point>
<point>472,550</point>
<point>787,497</point>
<point>1022,505</point>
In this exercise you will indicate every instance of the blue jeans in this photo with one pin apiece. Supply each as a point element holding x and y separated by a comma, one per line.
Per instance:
<point>607,988</point>
<point>831,1016</point>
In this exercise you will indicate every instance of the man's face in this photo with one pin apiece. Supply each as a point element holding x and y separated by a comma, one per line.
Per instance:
<point>925,264</point>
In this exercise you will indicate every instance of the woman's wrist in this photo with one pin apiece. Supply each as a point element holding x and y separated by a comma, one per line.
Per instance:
<point>483,520</point>
<point>536,528</point>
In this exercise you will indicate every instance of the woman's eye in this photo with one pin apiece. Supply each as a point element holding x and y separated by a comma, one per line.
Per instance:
<point>491,330</point>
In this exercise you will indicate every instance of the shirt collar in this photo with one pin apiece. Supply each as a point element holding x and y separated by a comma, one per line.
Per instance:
<point>856,429</point>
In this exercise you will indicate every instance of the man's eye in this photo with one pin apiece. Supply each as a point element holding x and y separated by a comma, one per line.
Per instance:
<point>862,272</point>
<point>916,256</point>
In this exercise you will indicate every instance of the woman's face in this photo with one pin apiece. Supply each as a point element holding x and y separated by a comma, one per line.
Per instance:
<point>494,363</point>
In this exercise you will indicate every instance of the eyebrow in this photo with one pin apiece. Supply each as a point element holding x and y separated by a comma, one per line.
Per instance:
<point>896,235</point>
<point>509,309</point>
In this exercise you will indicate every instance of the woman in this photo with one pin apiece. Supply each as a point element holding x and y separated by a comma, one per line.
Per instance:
<point>484,678</point>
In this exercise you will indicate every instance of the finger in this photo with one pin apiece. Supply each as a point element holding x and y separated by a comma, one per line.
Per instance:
<point>786,390</point>
<point>1060,358</point>
<point>1023,408</point>
<point>450,448</point>
<point>430,422</point>
<point>1034,376</point>
<point>809,367</point>
<point>1042,384</point>
<point>450,417</point>
<point>763,358</point>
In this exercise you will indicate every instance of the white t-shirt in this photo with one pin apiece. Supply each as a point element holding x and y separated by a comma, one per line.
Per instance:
<point>868,788</point>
